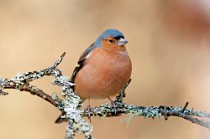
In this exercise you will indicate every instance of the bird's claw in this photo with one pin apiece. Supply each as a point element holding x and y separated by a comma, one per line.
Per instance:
<point>88,111</point>
<point>113,105</point>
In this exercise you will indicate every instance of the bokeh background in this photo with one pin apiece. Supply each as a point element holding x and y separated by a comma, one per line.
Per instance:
<point>169,44</point>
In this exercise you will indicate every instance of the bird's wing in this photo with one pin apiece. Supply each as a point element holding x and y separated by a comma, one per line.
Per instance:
<point>81,61</point>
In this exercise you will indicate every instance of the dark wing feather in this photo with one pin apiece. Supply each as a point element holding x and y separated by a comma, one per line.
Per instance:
<point>81,61</point>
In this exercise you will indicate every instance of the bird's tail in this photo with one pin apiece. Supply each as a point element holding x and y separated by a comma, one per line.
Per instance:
<point>60,120</point>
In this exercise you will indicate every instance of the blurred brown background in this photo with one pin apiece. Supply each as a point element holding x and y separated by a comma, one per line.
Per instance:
<point>168,43</point>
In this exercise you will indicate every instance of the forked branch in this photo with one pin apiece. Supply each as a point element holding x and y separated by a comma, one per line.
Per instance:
<point>70,105</point>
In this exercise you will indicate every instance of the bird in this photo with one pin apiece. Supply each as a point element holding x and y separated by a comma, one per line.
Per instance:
<point>103,69</point>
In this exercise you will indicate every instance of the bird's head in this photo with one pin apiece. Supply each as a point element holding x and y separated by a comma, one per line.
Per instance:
<point>111,38</point>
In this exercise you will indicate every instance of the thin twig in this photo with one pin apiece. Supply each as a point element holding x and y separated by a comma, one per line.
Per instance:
<point>21,81</point>
<point>185,106</point>
<point>34,91</point>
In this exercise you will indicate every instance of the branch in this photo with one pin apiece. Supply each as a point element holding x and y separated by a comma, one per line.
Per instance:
<point>21,81</point>
<point>70,106</point>
<point>106,110</point>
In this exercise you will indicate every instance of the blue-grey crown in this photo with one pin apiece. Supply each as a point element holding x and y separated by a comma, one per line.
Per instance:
<point>110,32</point>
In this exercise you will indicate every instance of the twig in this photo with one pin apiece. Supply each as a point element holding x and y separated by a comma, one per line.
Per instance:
<point>122,94</point>
<point>33,90</point>
<point>21,81</point>
<point>185,106</point>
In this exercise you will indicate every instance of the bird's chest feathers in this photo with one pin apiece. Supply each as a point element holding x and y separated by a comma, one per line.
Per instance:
<point>108,63</point>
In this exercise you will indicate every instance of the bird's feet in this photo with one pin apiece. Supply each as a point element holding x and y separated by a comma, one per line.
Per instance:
<point>114,109</point>
<point>88,110</point>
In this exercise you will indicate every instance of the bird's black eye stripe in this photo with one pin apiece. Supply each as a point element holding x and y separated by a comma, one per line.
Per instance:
<point>118,37</point>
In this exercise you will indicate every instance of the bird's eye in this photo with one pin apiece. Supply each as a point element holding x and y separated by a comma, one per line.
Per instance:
<point>111,40</point>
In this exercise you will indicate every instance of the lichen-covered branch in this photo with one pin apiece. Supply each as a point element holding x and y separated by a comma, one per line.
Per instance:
<point>106,110</point>
<point>70,105</point>
<point>21,81</point>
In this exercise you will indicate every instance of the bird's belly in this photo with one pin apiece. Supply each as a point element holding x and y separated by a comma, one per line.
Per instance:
<point>104,79</point>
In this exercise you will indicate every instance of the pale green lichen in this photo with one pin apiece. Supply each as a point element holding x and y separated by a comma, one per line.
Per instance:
<point>72,109</point>
<point>2,80</point>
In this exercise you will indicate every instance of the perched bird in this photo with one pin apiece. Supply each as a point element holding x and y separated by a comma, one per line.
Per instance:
<point>103,68</point>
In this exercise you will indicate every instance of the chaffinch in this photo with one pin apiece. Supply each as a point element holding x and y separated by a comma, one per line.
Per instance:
<point>103,68</point>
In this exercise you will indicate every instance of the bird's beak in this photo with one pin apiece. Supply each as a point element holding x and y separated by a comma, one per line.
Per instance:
<point>122,41</point>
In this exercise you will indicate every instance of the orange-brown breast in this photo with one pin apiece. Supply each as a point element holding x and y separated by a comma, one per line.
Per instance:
<point>104,74</point>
